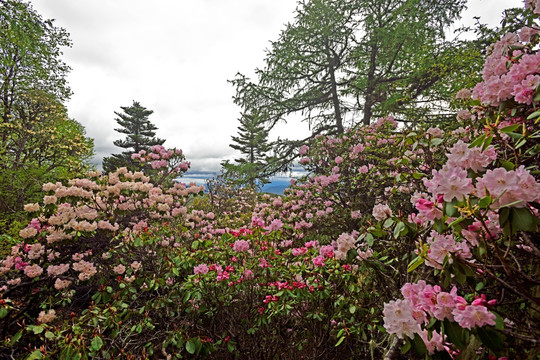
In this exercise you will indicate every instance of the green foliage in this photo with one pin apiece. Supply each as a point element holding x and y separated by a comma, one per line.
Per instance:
<point>38,142</point>
<point>140,136</point>
<point>341,58</point>
<point>252,142</point>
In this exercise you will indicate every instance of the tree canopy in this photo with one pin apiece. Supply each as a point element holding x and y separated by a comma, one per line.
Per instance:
<point>252,142</point>
<point>339,61</point>
<point>38,141</point>
<point>140,135</point>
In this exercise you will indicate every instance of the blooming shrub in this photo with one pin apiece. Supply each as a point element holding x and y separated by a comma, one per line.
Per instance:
<point>421,238</point>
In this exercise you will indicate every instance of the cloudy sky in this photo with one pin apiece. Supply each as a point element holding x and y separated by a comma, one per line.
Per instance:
<point>175,57</point>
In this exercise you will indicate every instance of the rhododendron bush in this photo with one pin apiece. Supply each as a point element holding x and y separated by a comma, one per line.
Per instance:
<point>401,242</point>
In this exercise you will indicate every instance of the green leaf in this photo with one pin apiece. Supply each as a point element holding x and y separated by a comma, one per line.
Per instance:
<point>352,309</point>
<point>533,115</point>
<point>520,143</point>
<point>16,337</point>
<point>522,219</point>
<point>509,128</point>
<point>415,263</point>
<point>508,165</point>
<point>491,338</point>
<point>484,202</point>
<point>35,355</point>
<point>400,226</point>
<point>406,347</point>
<point>3,312</point>
<point>340,340</point>
<point>388,222</point>
<point>499,322</point>
<point>38,329</point>
<point>504,215</point>
<point>418,345</point>
<point>454,333</point>
<point>455,222</point>
<point>96,343</point>
<point>49,335</point>
<point>450,208</point>
<point>488,141</point>
<point>190,346</point>
<point>479,286</point>
<point>370,239</point>
<point>436,141</point>
<point>479,140</point>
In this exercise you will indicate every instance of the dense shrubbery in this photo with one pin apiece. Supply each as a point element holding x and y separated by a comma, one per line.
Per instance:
<point>402,242</point>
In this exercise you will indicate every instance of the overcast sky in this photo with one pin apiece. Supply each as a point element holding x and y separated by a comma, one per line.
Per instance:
<point>175,57</point>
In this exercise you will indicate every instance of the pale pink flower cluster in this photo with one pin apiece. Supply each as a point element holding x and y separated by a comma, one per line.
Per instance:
<point>135,266</point>
<point>275,225</point>
<point>344,243</point>
<point>56,270</point>
<point>441,246</point>
<point>119,269</point>
<point>35,251</point>
<point>46,317</point>
<point>461,155</point>
<point>428,209</point>
<point>86,269</point>
<point>33,271</point>
<point>49,199</point>
<point>57,235</point>
<point>526,33</point>
<point>60,284</point>
<point>435,132</point>
<point>106,225</point>
<point>299,251</point>
<point>28,232</point>
<point>364,255</point>
<point>504,79</point>
<point>517,187</point>
<point>31,207</point>
<point>464,94</point>
<point>326,251</point>
<point>381,212</point>
<point>533,5</point>
<point>451,181</point>
<point>405,317</point>
<point>463,115</point>
<point>241,245</point>
<point>201,269</point>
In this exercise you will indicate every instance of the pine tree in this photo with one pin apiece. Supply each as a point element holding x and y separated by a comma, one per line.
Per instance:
<point>140,136</point>
<point>252,142</point>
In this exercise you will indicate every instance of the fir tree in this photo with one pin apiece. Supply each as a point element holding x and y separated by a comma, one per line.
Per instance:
<point>252,142</point>
<point>140,136</point>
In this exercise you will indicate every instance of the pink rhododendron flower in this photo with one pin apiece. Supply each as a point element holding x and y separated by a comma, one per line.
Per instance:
<point>275,225</point>
<point>45,317</point>
<point>517,187</point>
<point>241,245</point>
<point>200,269</point>
<point>318,261</point>
<point>33,271</point>
<point>119,269</point>
<point>381,212</point>
<point>471,316</point>
<point>398,319</point>
<point>326,251</point>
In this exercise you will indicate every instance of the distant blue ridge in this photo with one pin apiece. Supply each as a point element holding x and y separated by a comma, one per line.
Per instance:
<point>277,185</point>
